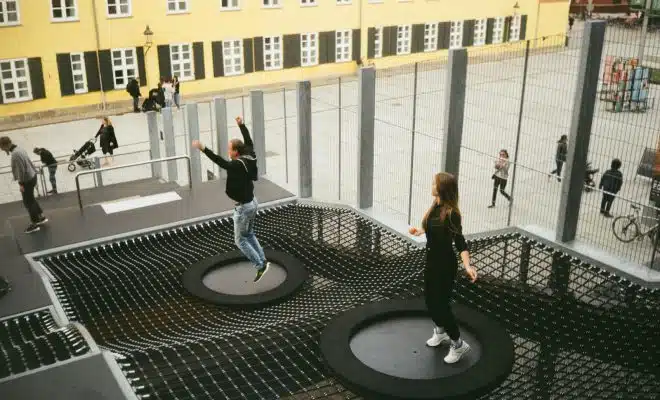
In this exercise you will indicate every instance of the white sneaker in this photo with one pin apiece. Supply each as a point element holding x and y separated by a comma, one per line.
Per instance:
<point>455,354</point>
<point>438,338</point>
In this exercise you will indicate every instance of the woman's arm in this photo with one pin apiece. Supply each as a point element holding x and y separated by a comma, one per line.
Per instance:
<point>461,245</point>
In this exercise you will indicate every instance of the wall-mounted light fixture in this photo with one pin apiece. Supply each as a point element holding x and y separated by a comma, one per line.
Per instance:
<point>148,34</point>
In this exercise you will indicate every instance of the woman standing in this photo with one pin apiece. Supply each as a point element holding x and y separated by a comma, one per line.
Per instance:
<point>177,96</point>
<point>108,140</point>
<point>560,156</point>
<point>442,225</point>
<point>500,176</point>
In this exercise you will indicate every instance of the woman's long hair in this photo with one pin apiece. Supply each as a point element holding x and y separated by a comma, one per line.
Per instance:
<point>446,187</point>
<point>107,121</point>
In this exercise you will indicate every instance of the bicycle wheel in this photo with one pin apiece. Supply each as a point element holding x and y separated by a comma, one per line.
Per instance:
<point>625,229</point>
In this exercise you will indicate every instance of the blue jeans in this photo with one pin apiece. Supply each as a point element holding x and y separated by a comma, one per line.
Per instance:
<point>244,237</point>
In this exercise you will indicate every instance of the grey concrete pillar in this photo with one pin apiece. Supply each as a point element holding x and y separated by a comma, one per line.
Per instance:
<point>154,143</point>
<point>193,134</point>
<point>366,123</point>
<point>304,106</point>
<point>584,102</point>
<point>221,130</point>
<point>98,177</point>
<point>170,145</point>
<point>259,128</point>
<point>454,109</point>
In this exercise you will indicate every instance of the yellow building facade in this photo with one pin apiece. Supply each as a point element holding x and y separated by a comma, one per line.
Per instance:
<point>69,53</point>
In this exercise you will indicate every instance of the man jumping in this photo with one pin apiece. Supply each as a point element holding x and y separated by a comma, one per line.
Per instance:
<point>241,172</point>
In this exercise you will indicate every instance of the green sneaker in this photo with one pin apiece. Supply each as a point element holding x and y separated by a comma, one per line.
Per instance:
<point>261,272</point>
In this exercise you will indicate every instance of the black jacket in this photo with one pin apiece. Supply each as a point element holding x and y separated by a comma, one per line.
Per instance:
<point>108,138</point>
<point>133,88</point>
<point>562,151</point>
<point>611,181</point>
<point>47,157</point>
<point>240,172</point>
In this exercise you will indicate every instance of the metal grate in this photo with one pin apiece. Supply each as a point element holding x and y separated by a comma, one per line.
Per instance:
<point>579,332</point>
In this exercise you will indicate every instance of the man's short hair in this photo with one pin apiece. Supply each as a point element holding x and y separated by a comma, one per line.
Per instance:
<point>238,146</point>
<point>5,142</point>
<point>616,164</point>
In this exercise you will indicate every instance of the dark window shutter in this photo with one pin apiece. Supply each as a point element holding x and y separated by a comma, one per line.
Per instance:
<point>393,39</point>
<point>443,34</point>
<point>218,63</point>
<point>417,44</point>
<point>385,40</point>
<point>65,74</point>
<point>248,56</point>
<point>292,51</point>
<point>523,27</point>
<point>490,24</point>
<point>198,60</point>
<point>164,62</point>
<point>323,47</point>
<point>371,43</point>
<point>507,30</point>
<point>356,43</point>
<point>468,33</point>
<point>92,72</point>
<point>105,61</point>
<point>1,99</point>
<point>37,78</point>
<point>142,72</point>
<point>259,53</point>
<point>331,43</point>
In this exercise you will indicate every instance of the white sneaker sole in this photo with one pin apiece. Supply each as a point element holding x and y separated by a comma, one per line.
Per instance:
<point>459,356</point>
<point>42,222</point>
<point>430,343</point>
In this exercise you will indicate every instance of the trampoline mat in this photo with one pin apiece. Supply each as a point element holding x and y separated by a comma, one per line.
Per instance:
<point>238,279</point>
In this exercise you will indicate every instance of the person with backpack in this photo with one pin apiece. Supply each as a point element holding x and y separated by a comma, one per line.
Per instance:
<point>241,173</point>
<point>610,184</point>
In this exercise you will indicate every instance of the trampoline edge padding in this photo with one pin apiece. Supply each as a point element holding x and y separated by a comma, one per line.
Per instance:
<point>296,275</point>
<point>495,364</point>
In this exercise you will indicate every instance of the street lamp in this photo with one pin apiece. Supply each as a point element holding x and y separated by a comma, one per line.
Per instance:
<point>516,9</point>
<point>147,39</point>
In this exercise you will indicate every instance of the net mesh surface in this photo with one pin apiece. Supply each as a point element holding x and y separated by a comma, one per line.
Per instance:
<point>579,332</point>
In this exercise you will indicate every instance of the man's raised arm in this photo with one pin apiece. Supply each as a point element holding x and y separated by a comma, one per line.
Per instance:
<point>245,132</point>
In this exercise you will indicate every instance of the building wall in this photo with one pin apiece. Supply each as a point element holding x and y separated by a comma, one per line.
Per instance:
<point>38,36</point>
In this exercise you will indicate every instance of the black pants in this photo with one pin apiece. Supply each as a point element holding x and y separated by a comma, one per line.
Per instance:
<point>501,184</point>
<point>438,288</point>
<point>51,175</point>
<point>136,101</point>
<point>29,201</point>
<point>560,165</point>
<point>606,203</point>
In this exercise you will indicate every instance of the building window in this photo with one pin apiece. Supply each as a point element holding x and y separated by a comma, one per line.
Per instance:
<point>431,37</point>
<point>119,8</point>
<point>124,66</point>
<point>15,80</point>
<point>63,10</point>
<point>456,35</point>
<point>79,73</point>
<point>343,46</point>
<point>498,30</point>
<point>307,2</point>
<point>514,31</point>
<point>480,32</point>
<point>177,6</point>
<point>181,61</point>
<point>309,54</point>
<point>342,2</point>
<point>272,53</point>
<point>232,55</point>
<point>271,3</point>
<point>378,42</point>
<point>403,39</point>
<point>9,13</point>
<point>229,5</point>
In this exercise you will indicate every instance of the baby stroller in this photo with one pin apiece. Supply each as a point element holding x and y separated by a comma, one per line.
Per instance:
<point>589,182</point>
<point>80,157</point>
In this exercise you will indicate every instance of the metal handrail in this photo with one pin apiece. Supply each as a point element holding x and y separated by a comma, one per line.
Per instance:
<point>100,170</point>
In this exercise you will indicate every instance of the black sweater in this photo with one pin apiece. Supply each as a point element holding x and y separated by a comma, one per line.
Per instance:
<point>47,157</point>
<point>439,237</point>
<point>611,181</point>
<point>240,172</point>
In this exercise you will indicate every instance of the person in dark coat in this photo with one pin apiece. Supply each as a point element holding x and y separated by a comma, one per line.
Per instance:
<point>133,88</point>
<point>48,160</point>
<point>610,184</point>
<point>160,96</point>
<point>108,140</point>
<point>560,156</point>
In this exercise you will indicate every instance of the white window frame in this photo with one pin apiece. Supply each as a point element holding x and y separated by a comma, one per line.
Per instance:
<point>514,28</point>
<point>403,39</point>
<point>343,46</point>
<point>498,30</point>
<point>431,36</point>
<point>177,48</point>
<point>344,2</point>
<point>378,42</point>
<point>15,80</point>
<point>276,55</point>
<point>79,72</point>
<point>124,67</point>
<point>232,5</point>
<point>456,34</point>
<point>480,32</point>
<point>271,3</point>
<point>5,13</point>
<point>118,4</point>
<point>308,3</point>
<point>63,9</point>
<point>312,38</point>
<point>228,53</point>
<point>375,1</point>
<point>177,6</point>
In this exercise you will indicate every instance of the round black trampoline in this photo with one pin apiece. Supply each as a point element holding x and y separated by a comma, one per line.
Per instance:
<point>379,351</point>
<point>227,279</point>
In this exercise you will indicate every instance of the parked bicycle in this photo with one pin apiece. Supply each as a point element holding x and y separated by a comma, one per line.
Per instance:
<point>628,228</point>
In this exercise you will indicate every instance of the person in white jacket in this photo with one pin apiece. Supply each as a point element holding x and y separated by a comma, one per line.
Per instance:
<point>500,176</point>
<point>169,93</point>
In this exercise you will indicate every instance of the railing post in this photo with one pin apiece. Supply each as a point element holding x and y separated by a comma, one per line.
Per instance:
<point>286,138</point>
<point>366,122</point>
<point>98,175</point>
<point>454,109</point>
<point>304,105</point>
<point>259,128</point>
<point>580,131</point>
<point>221,131</point>
<point>170,144</point>
<point>154,143</point>
<point>193,132</point>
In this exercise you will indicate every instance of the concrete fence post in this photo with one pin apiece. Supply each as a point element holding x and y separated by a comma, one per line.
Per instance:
<point>259,128</point>
<point>170,145</point>
<point>193,134</point>
<point>454,110</point>
<point>304,114</point>
<point>221,129</point>
<point>98,177</point>
<point>154,143</point>
<point>366,124</point>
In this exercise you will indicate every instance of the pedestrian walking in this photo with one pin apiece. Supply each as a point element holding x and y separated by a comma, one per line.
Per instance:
<point>610,184</point>
<point>500,176</point>
<point>560,156</point>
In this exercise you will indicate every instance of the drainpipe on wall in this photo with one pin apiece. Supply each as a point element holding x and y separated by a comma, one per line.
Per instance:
<point>645,27</point>
<point>98,60</point>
